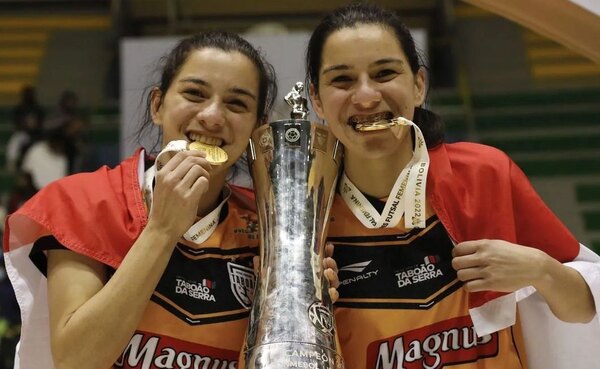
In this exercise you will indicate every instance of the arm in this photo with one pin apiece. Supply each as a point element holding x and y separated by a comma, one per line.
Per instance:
<point>89,314</point>
<point>534,257</point>
<point>566,292</point>
<point>496,265</point>
<point>86,310</point>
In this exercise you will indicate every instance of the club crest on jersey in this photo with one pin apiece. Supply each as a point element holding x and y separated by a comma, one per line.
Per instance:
<point>242,282</point>
<point>420,272</point>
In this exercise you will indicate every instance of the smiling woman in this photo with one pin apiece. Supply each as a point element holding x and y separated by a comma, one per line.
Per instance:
<point>437,242</point>
<point>212,100</point>
<point>140,258</point>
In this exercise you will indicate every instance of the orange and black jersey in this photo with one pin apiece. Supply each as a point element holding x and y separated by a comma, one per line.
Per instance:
<point>197,315</point>
<point>401,305</point>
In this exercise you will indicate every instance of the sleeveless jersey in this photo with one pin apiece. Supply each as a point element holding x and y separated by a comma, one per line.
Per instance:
<point>401,305</point>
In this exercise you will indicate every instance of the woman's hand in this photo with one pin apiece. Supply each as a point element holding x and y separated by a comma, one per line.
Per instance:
<point>331,272</point>
<point>495,265</point>
<point>179,186</point>
<point>502,266</point>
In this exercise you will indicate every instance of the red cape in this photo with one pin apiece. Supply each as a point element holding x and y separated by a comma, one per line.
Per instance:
<point>478,192</point>
<point>98,214</point>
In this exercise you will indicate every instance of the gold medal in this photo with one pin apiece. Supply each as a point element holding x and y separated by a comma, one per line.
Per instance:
<point>214,154</point>
<point>366,127</point>
<point>380,124</point>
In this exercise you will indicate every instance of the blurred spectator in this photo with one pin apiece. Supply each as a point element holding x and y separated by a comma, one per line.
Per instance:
<point>28,116</point>
<point>26,107</point>
<point>10,320</point>
<point>57,155</point>
<point>76,149</point>
<point>68,108</point>
<point>46,160</point>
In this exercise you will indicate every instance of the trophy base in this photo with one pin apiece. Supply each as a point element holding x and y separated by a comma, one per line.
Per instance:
<point>282,355</point>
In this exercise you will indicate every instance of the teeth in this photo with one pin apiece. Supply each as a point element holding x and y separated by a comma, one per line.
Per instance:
<point>205,139</point>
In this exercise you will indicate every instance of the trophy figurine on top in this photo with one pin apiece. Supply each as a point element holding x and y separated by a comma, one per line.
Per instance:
<point>297,101</point>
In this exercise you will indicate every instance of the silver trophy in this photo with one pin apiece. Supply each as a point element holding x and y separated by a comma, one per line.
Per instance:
<point>294,165</point>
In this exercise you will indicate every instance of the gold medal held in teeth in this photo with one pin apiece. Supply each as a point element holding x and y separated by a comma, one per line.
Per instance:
<point>381,124</point>
<point>366,127</point>
<point>214,154</point>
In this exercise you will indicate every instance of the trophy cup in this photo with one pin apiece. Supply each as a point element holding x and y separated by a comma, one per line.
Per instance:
<point>294,165</point>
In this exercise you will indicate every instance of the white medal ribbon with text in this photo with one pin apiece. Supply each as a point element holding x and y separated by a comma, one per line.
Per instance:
<point>406,198</point>
<point>203,228</point>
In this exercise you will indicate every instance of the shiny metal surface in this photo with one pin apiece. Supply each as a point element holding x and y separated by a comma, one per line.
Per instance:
<point>294,165</point>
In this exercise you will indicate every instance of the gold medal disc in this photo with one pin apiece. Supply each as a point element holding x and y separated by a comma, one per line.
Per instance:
<point>214,154</point>
<point>377,126</point>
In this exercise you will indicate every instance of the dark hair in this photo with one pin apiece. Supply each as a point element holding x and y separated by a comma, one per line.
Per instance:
<point>351,16</point>
<point>226,41</point>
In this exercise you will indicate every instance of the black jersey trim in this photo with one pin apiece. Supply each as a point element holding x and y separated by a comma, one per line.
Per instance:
<point>198,321</point>
<point>216,250</point>
<point>514,342</point>
<point>383,238</point>
<point>37,255</point>
<point>400,305</point>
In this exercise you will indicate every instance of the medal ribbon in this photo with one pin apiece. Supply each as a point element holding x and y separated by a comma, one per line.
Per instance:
<point>406,198</point>
<point>203,228</point>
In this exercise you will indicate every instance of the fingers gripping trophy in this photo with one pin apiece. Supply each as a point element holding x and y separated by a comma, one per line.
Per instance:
<point>294,165</point>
